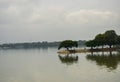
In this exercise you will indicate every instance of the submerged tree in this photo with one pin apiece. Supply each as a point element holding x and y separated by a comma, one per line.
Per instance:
<point>68,44</point>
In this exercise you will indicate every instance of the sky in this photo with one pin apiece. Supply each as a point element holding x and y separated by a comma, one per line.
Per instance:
<point>57,20</point>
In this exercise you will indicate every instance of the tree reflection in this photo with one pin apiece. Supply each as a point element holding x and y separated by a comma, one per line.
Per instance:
<point>68,59</point>
<point>110,61</point>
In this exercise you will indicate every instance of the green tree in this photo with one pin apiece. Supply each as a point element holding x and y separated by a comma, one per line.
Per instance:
<point>68,44</point>
<point>91,43</point>
<point>110,37</point>
<point>100,40</point>
<point>75,44</point>
<point>118,40</point>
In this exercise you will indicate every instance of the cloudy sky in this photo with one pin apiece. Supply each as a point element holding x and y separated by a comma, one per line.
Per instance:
<point>54,20</point>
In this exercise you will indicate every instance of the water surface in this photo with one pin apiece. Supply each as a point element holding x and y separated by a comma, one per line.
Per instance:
<point>45,65</point>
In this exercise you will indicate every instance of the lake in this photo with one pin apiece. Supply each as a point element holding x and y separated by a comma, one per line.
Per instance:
<point>46,65</point>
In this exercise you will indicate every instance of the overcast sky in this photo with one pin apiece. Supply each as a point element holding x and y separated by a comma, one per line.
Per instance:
<point>56,20</point>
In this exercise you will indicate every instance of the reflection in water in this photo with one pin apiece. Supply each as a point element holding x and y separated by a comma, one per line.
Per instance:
<point>111,61</point>
<point>68,59</point>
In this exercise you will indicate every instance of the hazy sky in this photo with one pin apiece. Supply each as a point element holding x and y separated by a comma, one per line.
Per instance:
<point>54,20</point>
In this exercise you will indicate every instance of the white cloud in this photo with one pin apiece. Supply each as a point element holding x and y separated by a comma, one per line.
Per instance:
<point>47,15</point>
<point>91,16</point>
<point>17,11</point>
<point>55,16</point>
<point>31,12</point>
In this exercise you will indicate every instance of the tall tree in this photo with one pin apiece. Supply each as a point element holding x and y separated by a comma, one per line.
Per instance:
<point>110,37</point>
<point>100,40</point>
<point>91,43</point>
<point>68,44</point>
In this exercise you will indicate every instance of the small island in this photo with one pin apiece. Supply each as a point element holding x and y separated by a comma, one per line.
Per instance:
<point>108,41</point>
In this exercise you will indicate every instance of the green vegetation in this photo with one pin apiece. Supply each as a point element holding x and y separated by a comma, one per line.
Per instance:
<point>109,38</point>
<point>43,44</point>
<point>91,43</point>
<point>118,40</point>
<point>68,44</point>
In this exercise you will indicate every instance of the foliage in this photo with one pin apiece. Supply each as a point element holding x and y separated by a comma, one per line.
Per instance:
<point>100,40</point>
<point>91,43</point>
<point>68,44</point>
<point>108,38</point>
<point>118,40</point>
<point>43,44</point>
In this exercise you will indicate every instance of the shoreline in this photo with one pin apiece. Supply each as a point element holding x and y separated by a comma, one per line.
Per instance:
<point>88,50</point>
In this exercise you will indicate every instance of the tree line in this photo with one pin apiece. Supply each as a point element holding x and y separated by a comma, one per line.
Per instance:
<point>108,38</point>
<point>43,44</point>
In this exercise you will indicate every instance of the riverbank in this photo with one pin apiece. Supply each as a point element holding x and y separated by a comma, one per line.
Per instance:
<point>88,50</point>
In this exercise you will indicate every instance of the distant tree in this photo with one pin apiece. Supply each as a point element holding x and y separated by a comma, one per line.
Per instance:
<point>75,44</point>
<point>91,43</point>
<point>110,37</point>
<point>68,44</point>
<point>100,40</point>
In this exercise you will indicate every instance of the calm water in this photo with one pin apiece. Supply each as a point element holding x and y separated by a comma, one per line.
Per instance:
<point>45,65</point>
